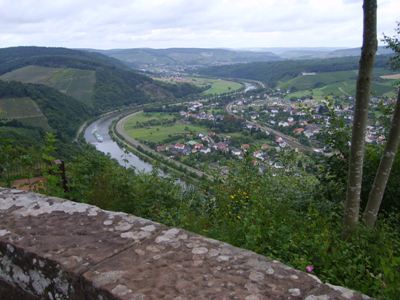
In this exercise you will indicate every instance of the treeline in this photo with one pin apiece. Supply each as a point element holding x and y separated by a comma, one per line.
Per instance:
<point>16,57</point>
<point>272,72</point>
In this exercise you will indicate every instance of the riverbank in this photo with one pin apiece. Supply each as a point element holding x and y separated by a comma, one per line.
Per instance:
<point>148,153</point>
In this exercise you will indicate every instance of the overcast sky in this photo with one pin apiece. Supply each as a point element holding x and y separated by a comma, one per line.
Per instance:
<point>106,24</point>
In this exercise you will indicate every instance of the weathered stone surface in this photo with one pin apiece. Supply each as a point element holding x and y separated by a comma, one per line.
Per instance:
<point>57,249</point>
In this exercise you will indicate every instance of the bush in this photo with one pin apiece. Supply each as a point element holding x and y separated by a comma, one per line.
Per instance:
<point>281,214</point>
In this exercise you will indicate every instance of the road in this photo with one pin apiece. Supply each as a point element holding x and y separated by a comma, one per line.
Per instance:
<point>132,142</point>
<point>291,141</point>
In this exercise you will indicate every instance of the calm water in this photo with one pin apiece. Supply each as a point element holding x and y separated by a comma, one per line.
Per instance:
<point>101,126</point>
<point>249,86</point>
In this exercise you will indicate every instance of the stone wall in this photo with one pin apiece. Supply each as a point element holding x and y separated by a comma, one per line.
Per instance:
<point>52,248</point>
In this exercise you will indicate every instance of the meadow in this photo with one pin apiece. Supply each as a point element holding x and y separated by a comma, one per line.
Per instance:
<point>142,117</point>
<point>215,86</point>
<point>159,133</point>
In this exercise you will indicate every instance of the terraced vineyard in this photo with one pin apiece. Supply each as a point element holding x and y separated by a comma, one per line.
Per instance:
<point>341,83</point>
<point>76,83</point>
<point>25,110</point>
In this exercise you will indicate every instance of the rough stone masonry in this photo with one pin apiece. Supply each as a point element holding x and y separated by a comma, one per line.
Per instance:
<point>52,248</point>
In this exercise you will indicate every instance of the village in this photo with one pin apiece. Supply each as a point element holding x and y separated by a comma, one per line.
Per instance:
<point>260,126</point>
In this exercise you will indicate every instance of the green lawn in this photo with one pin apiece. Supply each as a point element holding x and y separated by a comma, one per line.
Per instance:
<point>76,83</point>
<point>159,133</point>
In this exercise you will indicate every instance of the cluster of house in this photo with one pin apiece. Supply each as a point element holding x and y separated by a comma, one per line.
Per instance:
<point>301,126</point>
<point>195,111</point>
<point>375,135</point>
<point>201,116</point>
<point>309,128</point>
<point>205,144</point>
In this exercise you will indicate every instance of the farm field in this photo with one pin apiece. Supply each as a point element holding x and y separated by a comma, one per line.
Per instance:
<point>25,110</point>
<point>73,82</point>
<point>341,83</point>
<point>319,80</point>
<point>142,117</point>
<point>159,133</point>
<point>216,86</point>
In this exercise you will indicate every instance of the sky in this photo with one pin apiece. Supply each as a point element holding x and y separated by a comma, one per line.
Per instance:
<point>110,24</point>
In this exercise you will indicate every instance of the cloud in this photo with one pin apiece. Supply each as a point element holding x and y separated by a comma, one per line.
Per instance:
<point>188,23</point>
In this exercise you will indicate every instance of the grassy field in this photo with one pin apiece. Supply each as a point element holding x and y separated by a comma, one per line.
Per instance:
<point>335,83</point>
<point>73,82</point>
<point>24,110</point>
<point>145,117</point>
<point>159,133</point>
<point>217,86</point>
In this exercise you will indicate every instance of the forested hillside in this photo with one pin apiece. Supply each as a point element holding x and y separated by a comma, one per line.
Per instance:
<point>55,112</point>
<point>272,72</point>
<point>115,85</point>
<point>145,58</point>
<point>57,89</point>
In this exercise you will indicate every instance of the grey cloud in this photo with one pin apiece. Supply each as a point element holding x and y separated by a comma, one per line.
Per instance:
<point>188,23</point>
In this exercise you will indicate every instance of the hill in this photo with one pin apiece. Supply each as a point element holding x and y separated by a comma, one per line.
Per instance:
<point>100,82</point>
<point>273,72</point>
<point>57,89</point>
<point>340,83</point>
<point>356,52</point>
<point>318,52</point>
<point>76,83</point>
<point>28,110</point>
<point>184,58</point>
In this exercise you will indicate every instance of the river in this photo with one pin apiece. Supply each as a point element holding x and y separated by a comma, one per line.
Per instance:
<point>108,146</point>
<point>97,135</point>
<point>249,86</point>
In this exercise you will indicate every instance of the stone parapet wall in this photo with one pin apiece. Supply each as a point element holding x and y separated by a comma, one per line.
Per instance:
<point>52,248</point>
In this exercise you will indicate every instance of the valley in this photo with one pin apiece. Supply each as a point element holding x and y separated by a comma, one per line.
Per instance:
<point>251,153</point>
<point>205,149</point>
